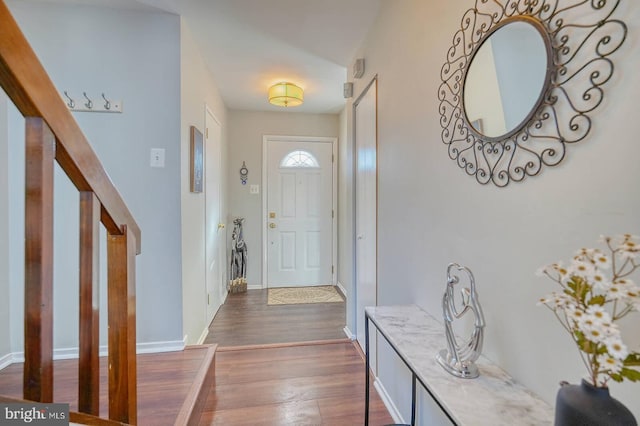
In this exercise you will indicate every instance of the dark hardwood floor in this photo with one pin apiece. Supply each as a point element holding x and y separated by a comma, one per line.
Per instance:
<point>164,383</point>
<point>286,376</point>
<point>312,384</point>
<point>246,319</point>
<point>270,369</point>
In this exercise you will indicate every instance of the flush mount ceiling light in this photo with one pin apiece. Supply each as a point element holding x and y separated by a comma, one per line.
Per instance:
<point>285,94</point>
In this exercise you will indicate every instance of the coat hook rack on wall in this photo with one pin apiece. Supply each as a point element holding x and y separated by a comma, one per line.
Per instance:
<point>89,105</point>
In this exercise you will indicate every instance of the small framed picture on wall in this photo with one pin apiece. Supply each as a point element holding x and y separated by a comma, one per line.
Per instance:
<point>197,160</point>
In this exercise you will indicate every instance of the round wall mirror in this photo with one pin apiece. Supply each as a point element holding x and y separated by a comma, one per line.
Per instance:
<point>521,82</point>
<point>505,79</point>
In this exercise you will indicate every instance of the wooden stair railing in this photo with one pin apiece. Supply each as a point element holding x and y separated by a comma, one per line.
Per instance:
<point>53,134</point>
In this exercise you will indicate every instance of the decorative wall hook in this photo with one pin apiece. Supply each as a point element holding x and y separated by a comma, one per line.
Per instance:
<point>109,105</point>
<point>71,103</point>
<point>459,357</point>
<point>244,172</point>
<point>89,103</point>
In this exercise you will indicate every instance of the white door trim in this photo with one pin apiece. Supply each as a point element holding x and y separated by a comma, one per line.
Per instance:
<point>334,173</point>
<point>359,319</point>
<point>223,218</point>
<point>208,114</point>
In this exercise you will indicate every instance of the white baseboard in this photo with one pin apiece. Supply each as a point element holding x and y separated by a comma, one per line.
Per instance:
<point>386,400</point>
<point>203,336</point>
<point>72,353</point>
<point>6,361</point>
<point>17,357</point>
<point>348,332</point>
<point>343,290</point>
<point>254,287</point>
<point>156,347</point>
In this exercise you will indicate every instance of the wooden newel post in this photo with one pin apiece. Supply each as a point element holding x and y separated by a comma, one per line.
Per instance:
<point>38,298</point>
<point>121,252</point>
<point>89,332</point>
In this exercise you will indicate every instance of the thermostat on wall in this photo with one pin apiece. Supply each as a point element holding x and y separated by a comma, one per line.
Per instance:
<point>358,68</point>
<point>347,90</point>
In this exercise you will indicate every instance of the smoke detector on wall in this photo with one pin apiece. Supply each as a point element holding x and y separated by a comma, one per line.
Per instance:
<point>358,68</point>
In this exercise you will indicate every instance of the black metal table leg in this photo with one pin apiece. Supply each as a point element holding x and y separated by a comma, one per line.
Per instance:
<point>413,399</point>
<point>366,372</point>
<point>414,377</point>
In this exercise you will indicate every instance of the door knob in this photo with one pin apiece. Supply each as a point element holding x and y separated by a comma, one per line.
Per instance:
<point>221,226</point>
<point>272,225</point>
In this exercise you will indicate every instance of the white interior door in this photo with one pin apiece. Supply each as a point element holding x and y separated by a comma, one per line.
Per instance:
<point>214,226</point>
<point>366,204</point>
<point>299,191</point>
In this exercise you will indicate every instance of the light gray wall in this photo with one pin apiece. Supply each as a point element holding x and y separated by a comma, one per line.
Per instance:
<point>198,88</point>
<point>431,213</point>
<point>5,299</point>
<point>133,56</point>
<point>246,129</point>
<point>15,184</point>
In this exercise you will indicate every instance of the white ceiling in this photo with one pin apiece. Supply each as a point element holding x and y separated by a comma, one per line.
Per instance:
<point>250,45</point>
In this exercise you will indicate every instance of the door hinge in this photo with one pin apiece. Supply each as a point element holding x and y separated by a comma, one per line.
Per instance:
<point>207,132</point>
<point>332,269</point>
<point>208,298</point>
<point>333,214</point>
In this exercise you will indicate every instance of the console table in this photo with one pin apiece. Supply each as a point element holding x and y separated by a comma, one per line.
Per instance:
<point>494,398</point>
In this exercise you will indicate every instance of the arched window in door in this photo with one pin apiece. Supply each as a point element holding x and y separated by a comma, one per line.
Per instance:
<point>299,159</point>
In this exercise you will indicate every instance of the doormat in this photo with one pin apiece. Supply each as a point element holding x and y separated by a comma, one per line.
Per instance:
<point>300,295</point>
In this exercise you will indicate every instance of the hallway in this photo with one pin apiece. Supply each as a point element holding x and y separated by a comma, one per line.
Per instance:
<point>246,319</point>
<point>312,384</point>
<point>285,365</point>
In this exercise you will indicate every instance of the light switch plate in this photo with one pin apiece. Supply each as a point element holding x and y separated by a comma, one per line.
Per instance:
<point>254,189</point>
<point>157,157</point>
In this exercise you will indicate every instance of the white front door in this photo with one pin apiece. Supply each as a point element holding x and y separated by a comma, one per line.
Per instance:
<point>214,227</point>
<point>366,204</point>
<point>299,192</point>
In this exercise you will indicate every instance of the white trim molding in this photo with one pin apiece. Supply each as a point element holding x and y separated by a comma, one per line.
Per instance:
<point>203,336</point>
<point>156,347</point>
<point>386,400</point>
<point>72,353</point>
<point>343,290</point>
<point>349,334</point>
<point>6,360</point>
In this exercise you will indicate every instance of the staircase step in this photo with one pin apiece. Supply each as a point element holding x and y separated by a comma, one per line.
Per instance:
<point>197,397</point>
<point>172,386</point>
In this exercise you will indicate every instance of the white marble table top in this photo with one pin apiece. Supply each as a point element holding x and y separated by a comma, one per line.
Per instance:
<point>493,399</point>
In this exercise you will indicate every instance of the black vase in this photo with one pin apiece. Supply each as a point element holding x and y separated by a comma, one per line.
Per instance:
<point>587,405</point>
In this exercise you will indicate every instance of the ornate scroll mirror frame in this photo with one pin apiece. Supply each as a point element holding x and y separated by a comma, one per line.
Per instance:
<point>579,36</point>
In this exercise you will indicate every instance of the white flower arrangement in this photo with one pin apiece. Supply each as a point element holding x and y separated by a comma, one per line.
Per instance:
<point>597,292</point>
